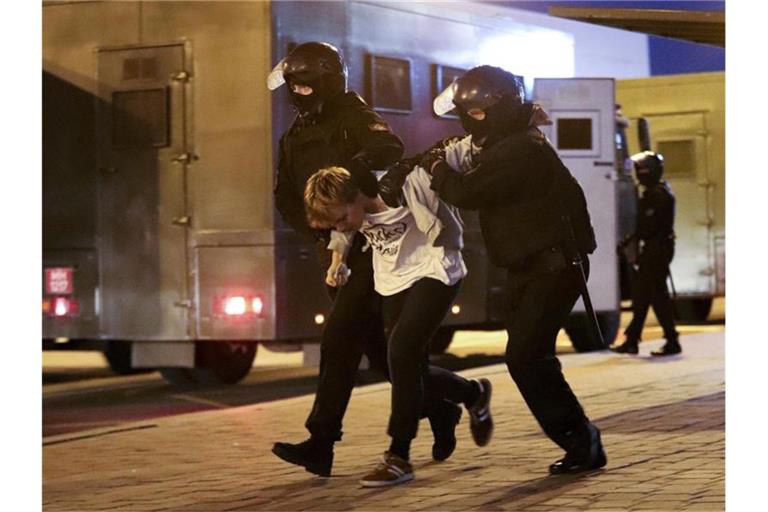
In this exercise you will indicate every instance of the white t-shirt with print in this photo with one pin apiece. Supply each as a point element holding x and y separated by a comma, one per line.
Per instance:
<point>402,254</point>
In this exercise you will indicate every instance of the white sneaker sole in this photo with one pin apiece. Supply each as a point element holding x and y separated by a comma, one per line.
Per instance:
<point>386,483</point>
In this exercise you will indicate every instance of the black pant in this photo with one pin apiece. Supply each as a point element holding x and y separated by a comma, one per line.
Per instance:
<point>540,298</point>
<point>649,287</point>
<point>354,327</point>
<point>411,318</point>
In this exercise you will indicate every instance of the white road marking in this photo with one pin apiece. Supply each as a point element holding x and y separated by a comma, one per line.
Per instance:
<point>198,400</point>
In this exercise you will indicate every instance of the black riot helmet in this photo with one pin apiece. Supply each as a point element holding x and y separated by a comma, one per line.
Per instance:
<point>493,90</point>
<point>649,167</point>
<point>317,65</point>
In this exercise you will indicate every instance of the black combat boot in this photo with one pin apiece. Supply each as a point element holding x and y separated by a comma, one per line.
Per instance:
<point>315,455</point>
<point>670,348</point>
<point>584,457</point>
<point>628,347</point>
<point>444,430</point>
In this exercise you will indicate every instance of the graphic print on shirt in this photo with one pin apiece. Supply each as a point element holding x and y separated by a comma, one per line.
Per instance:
<point>384,238</point>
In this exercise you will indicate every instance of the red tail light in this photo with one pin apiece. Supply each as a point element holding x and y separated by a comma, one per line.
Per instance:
<point>238,306</point>
<point>257,305</point>
<point>235,306</point>
<point>60,307</point>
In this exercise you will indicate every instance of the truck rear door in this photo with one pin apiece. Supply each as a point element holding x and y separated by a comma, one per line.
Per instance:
<point>142,210</point>
<point>583,132</point>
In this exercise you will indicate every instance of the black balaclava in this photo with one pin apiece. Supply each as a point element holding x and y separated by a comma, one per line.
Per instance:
<point>504,117</point>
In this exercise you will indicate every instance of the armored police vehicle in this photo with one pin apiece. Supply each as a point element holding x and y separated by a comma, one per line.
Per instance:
<point>161,244</point>
<point>686,115</point>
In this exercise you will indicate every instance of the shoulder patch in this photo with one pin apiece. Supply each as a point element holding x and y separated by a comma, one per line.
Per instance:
<point>378,127</point>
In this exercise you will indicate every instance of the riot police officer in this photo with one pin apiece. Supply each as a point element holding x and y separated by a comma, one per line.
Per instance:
<point>335,127</point>
<point>534,221</point>
<point>655,239</point>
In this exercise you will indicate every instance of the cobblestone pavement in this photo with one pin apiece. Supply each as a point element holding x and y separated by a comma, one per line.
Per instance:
<point>663,426</point>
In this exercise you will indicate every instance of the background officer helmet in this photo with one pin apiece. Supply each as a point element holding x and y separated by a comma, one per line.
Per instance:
<point>314,64</point>
<point>493,90</point>
<point>649,167</point>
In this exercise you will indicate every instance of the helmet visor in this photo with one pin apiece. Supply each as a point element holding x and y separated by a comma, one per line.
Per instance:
<point>443,103</point>
<point>468,92</point>
<point>275,78</point>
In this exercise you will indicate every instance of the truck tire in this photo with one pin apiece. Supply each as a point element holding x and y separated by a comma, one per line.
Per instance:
<point>216,363</point>
<point>118,355</point>
<point>441,340</point>
<point>692,310</point>
<point>183,377</point>
<point>578,329</point>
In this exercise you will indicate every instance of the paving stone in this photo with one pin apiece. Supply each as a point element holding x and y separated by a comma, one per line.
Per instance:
<point>662,425</point>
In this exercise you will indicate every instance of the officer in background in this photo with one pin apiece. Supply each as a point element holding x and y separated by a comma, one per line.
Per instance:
<point>335,127</point>
<point>534,220</point>
<point>654,239</point>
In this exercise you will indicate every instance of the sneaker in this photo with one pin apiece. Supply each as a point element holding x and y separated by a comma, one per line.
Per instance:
<point>582,460</point>
<point>628,347</point>
<point>444,430</point>
<point>670,348</point>
<point>480,420</point>
<point>392,470</point>
<point>314,456</point>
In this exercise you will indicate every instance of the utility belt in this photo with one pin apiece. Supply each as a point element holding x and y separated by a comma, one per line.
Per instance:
<point>551,259</point>
<point>657,241</point>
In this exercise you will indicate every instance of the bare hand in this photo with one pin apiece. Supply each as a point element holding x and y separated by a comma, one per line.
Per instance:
<point>337,275</point>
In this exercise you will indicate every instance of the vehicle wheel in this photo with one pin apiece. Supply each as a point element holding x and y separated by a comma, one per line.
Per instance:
<point>692,311</point>
<point>441,340</point>
<point>216,362</point>
<point>578,329</point>
<point>118,355</point>
<point>179,376</point>
<point>285,346</point>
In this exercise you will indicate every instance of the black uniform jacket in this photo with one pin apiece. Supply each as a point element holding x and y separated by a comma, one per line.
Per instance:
<point>656,214</point>
<point>524,195</point>
<point>347,134</point>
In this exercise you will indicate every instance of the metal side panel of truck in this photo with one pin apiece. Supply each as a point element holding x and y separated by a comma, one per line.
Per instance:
<point>686,117</point>
<point>158,176</point>
<point>160,240</point>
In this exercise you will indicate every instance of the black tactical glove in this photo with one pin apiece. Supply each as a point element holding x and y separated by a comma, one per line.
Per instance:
<point>432,162</point>
<point>629,249</point>
<point>429,160</point>
<point>391,184</point>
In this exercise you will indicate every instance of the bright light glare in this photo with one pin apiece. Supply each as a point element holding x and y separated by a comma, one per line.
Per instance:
<point>235,306</point>
<point>455,309</point>
<point>319,319</point>
<point>542,53</point>
<point>258,305</point>
<point>61,307</point>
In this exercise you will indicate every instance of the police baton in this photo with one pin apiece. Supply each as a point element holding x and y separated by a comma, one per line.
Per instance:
<point>675,312</point>
<point>578,265</point>
<point>671,283</point>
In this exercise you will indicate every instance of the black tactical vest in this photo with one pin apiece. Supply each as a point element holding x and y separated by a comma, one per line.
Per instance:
<point>537,217</point>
